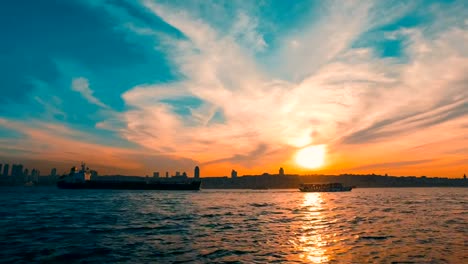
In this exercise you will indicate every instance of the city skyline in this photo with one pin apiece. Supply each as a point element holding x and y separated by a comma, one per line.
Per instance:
<point>314,87</point>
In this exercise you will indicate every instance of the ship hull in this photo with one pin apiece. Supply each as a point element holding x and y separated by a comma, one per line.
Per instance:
<point>345,189</point>
<point>172,186</point>
<point>327,187</point>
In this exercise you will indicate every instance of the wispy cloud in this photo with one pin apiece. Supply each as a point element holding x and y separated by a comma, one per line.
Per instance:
<point>81,85</point>
<point>57,143</point>
<point>342,88</point>
<point>391,165</point>
<point>241,93</point>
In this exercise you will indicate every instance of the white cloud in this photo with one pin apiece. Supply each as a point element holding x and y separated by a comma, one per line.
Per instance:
<point>245,28</point>
<point>337,91</point>
<point>322,38</point>
<point>81,85</point>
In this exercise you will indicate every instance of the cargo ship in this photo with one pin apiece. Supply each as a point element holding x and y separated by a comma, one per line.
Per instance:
<point>81,179</point>
<point>324,187</point>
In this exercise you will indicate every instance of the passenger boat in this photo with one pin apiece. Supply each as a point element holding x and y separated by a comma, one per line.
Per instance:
<point>324,187</point>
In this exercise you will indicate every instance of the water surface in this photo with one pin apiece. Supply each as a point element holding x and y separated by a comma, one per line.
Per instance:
<point>419,225</point>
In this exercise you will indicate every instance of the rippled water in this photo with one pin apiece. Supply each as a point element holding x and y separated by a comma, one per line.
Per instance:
<point>419,225</point>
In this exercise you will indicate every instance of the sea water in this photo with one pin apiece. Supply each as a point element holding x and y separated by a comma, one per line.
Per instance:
<point>369,225</point>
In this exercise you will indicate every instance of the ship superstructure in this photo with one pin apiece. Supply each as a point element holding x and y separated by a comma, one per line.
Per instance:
<point>81,179</point>
<point>324,187</point>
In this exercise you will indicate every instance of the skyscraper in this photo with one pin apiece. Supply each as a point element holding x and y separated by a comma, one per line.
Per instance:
<point>281,172</point>
<point>233,174</point>
<point>52,176</point>
<point>26,175</point>
<point>35,175</point>
<point>5,170</point>
<point>196,172</point>
<point>17,173</point>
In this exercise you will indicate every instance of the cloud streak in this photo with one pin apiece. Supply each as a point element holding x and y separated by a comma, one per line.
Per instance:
<point>247,93</point>
<point>337,96</point>
<point>81,85</point>
<point>389,165</point>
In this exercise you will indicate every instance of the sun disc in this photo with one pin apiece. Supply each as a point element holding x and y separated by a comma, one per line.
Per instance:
<point>311,157</point>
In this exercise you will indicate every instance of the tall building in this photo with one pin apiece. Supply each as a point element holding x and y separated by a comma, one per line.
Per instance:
<point>16,169</point>
<point>156,174</point>
<point>5,170</point>
<point>53,172</point>
<point>196,172</point>
<point>17,173</point>
<point>233,174</point>
<point>26,175</point>
<point>281,172</point>
<point>35,175</point>
<point>167,174</point>
<point>52,176</point>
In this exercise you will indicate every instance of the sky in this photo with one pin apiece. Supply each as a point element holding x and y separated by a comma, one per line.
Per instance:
<point>132,87</point>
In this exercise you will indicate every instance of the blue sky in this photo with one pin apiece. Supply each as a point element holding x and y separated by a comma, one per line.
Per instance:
<point>137,86</point>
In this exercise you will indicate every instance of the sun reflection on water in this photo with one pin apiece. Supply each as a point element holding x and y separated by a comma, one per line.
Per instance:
<point>311,241</point>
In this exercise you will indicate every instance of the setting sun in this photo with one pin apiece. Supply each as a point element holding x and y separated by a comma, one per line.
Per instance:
<point>311,157</point>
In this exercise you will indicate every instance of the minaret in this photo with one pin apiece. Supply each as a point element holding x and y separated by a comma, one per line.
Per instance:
<point>196,172</point>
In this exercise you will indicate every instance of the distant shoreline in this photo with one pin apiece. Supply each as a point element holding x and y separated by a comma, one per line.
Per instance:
<point>287,181</point>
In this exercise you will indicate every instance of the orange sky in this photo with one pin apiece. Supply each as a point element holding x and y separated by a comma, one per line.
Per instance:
<point>244,89</point>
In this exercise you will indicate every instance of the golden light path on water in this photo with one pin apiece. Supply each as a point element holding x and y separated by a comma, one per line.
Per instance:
<point>312,242</point>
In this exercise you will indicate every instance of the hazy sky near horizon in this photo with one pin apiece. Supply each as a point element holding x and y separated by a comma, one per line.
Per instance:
<point>139,86</point>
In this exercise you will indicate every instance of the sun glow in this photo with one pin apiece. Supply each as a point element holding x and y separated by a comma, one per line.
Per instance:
<point>311,157</point>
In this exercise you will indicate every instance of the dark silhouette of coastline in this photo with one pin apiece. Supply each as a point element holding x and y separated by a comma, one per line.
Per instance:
<point>275,181</point>
<point>268,181</point>
<point>21,176</point>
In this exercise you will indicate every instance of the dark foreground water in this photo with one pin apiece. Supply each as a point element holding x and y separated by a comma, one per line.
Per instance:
<point>416,225</point>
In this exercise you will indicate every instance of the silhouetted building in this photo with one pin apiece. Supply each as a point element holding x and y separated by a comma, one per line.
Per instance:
<point>177,174</point>
<point>281,172</point>
<point>184,174</point>
<point>17,173</point>
<point>26,175</point>
<point>233,174</point>
<point>196,172</point>
<point>464,176</point>
<point>35,175</point>
<point>156,174</point>
<point>167,174</point>
<point>53,176</point>
<point>6,168</point>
